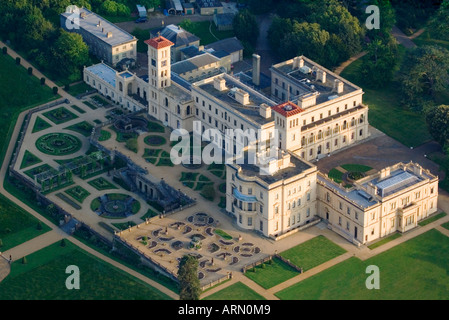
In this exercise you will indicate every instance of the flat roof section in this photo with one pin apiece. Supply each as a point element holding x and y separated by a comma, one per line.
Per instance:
<point>104,72</point>
<point>100,28</point>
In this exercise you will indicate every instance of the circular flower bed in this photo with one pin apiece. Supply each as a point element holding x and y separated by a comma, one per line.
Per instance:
<point>58,144</point>
<point>355,175</point>
<point>115,205</point>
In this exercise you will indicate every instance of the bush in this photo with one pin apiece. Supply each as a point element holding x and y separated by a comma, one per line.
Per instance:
<point>39,226</point>
<point>5,50</point>
<point>17,60</point>
<point>208,192</point>
<point>55,90</point>
<point>131,144</point>
<point>42,81</point>
<point>63,244</point>
<point>30,71</point>
<point>67,87</point>
<point>24,260</point>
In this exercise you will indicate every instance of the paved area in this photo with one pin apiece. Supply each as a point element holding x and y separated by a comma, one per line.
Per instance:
<point>382,151</point>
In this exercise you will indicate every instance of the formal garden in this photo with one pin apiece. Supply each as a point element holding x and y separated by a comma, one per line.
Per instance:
<point>102,184</point>
<point>29,159</point>
<point>84,128</point>
<point>58,144</point>
<point>40,124</point>
<point>347,174</point>
<point>115,205</point>
<point>60,115</point>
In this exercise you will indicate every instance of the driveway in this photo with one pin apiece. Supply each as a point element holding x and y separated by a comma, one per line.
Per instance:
<point>380,152</point>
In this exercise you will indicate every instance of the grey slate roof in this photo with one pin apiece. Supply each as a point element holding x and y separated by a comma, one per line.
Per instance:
<point>229,45</point>
<point>194,63</point>
<point>175,34</point>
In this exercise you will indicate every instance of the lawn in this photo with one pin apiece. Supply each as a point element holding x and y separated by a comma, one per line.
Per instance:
<point>60,115</point>
<point>29,159</point>
<point>432,219</point>
<point>356,167</point>
<point>18,92</point>
<point>79,88</point>
<point>313,252</point>
<point>201,30</point>
<point>40,125</point>
<point>237,291</point>
<point>386,112</point>
<point>415,270</point>
<point>78,109</point>
<point>16,225</point>
<point>268,275</point>
<point>384,240</point>
<point>44,278</point>
<point>84,128</point>
<point>336,175</point>
<point>104,135</point>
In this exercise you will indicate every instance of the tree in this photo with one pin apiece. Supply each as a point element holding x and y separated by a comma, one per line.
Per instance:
<point>245,27</point>
<point>24,260</point>
<point>189,284</point>
<point>437,119</point>
<point>109,8</point>
<point>279,28</point>
<point>439,23</point>
<point>424,73</point>
<point>381,62</point>
<point>306,39</point>
<point>70,53</point>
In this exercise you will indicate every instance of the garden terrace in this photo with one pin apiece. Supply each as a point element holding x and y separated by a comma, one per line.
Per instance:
<point>58,144</point>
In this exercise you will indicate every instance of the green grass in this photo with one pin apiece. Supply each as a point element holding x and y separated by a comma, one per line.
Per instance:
<point>40,125</point>
<point>78,193</point>
<point>313,252</point>
<point>237,291</point>
<point>29,159</point>
<point>79,88</point>
<point>222,203</point>
<point>90,105</point>
<point>155,127</point>
<point>201,30</point>
<point>104,135</point>
<point>268,275</point>
<point>356,167</point>
<point>223,234</point>
<point>44,278</point>
<point>336,175</point>
<point>101,184</point>
<point>18,92</point>
<point>36,170</point>
<point>433,218</point>
<point>445,225</point>
<point>426,38</point>
<point>414,270</point>
<point>100,100</point>
<point>59,115</point>
<point>76,108</point>
<point>150,214</point>
<point>124,225</point>
<point>68,200</point>
<point>385,110</point>
<point>16,225</point>
<point>385,240</point>
<point>84,128</point>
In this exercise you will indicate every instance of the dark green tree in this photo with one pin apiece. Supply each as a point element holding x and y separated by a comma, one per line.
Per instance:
<point>189,284</point>
<point>246,27</point>
<point>437,119</point>
<point>439,23</point>
<point>424,73</point>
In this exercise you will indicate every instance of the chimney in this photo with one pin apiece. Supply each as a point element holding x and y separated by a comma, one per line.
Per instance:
<point>321,76</point>
<point>371,189</point>
<point>242,97</point>
<point>265,111</point>
<point>417,169</point>
<point>338,86</point>
<point>307,100</point>
<point>298,62</point>
<point>109,35</point>
<point>102,30</point>
<point>256,69</point>
<point>384,173</point>
<point>220,84</point>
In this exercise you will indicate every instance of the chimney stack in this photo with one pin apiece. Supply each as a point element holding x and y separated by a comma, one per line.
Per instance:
<point>256,69</point>
<point>220,84</point>
<point>338,86</point>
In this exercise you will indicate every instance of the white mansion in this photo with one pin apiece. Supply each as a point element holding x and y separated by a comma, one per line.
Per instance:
<point>314,112</point>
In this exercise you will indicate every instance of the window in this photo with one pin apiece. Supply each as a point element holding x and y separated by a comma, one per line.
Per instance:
<point>250,191</point>
<point>261,209</point>
<point>308,196</point>
<point>299,202</point>
<point>347,225</point>
<point>339,221</point>
<point>276,209</point>
<point>240,218</point>
<point>373,215</point>
<point>328,197</point>
<point>308,212</point>
<point>356,215</point>
<point>261,225</point>
<point>164,63</point>
<point>348,211</point>
<point>250,221</point>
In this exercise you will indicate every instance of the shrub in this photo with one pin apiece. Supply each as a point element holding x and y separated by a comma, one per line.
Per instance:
<point>208,192</point>
<point>67,87</point>
<point>63,244</point>
<point>39,226</point>
<point>55,90</point>
<point>24,260</point>
<point>42,81</point>
<point>30,71</point>
<point>1,243</point>
<point>17,60</point>
<point>5,50</point>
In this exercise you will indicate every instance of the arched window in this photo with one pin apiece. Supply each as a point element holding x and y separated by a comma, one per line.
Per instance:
<point>178,109</point>
<point>120,86</point>
<point>166,102</point>
<point>166,117</point>
<point>188,110</point>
